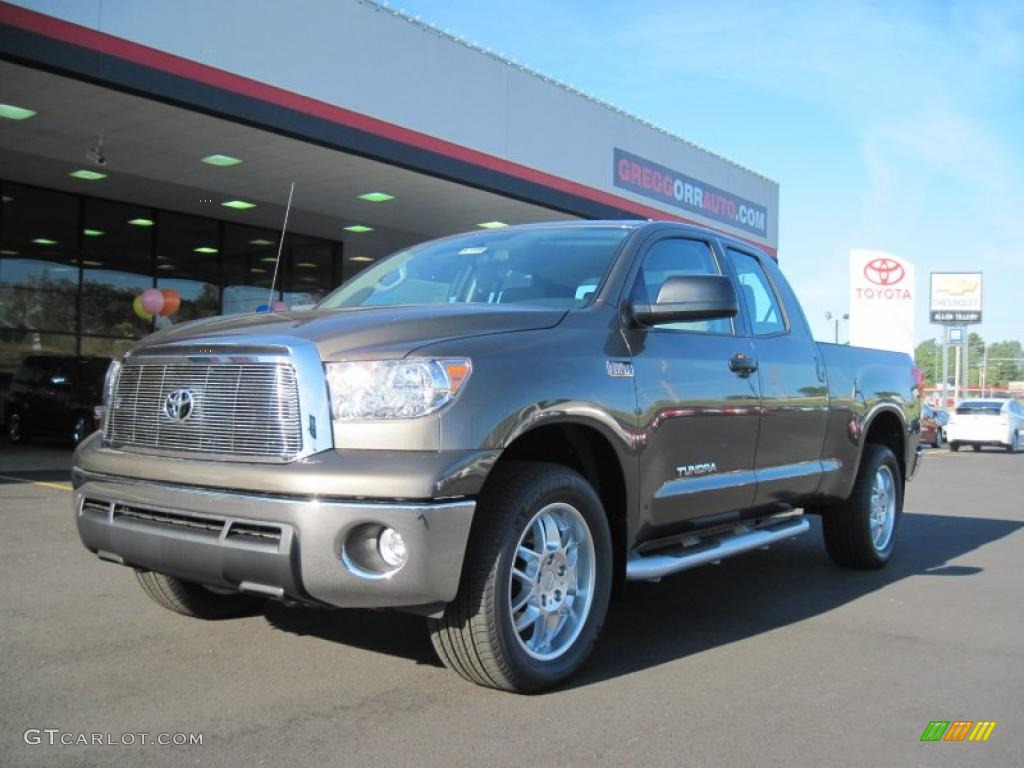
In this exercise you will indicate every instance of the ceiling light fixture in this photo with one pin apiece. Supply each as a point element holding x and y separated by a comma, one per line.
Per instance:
<point>44,241</point>
<point>261,241</point>
<point>88,175</point>
<point>238,205</point>
<point>89,263</point>
<point>92,232</point>
<point>307,265</point>
<point>492,224</point>
<point>360,258</point>
<point>12,112</point>
<point>358,228</point>
<point>205,249</point>
<point>376,197</point>
<point>8,252</point>
<point>222,161</point>
<point>141,222</point>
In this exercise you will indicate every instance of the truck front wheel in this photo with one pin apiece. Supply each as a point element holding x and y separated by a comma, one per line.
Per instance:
<point>861,532</point>
<point>535,584</point>
<point>195,600</point>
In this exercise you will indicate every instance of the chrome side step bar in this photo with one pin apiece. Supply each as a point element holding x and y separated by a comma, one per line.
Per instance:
<point>653,567</point>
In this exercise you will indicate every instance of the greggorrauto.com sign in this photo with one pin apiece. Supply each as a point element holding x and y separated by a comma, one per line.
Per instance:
<point>647,178</point>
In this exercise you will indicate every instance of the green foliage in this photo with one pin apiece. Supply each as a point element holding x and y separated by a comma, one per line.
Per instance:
<point>1006,361</point>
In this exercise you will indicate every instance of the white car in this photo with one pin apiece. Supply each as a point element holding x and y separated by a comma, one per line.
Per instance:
<point>986,422</point>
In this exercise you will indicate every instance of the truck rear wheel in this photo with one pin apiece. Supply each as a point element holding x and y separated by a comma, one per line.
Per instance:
<point>861,532</point>
<point>195,600</point>
<point>536,581</point>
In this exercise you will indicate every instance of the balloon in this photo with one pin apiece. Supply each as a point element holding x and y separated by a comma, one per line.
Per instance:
<point>139,310</point>
<point>152,301</point>
<point>278,306</point>
<point>172,300</point>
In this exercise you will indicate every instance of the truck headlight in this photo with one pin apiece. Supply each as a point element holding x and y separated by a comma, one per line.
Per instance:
<point>110,382</point>
<point>394,389</point>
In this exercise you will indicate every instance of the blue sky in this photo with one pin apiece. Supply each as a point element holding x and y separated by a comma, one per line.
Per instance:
<point>890,126</point>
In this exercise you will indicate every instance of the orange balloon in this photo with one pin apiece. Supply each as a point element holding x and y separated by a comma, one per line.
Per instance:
<point>172,300</point>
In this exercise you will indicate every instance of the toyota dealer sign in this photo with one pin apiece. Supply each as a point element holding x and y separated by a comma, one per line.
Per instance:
<point>881,301</point>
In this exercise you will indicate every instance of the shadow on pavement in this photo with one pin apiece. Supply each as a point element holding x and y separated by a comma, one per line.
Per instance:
<point>41,475</point>
<point>388,632</point>
<point>704,608</point>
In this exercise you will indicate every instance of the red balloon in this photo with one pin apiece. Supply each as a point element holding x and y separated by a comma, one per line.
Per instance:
<point>172,300</point>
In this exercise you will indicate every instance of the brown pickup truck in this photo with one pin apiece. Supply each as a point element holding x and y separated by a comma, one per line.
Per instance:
<point>497,430</point>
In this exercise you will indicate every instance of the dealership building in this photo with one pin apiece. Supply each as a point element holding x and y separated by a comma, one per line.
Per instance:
<point>152,145</point>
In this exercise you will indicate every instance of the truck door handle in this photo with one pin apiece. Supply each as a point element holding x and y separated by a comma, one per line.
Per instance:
<point>742,364</point>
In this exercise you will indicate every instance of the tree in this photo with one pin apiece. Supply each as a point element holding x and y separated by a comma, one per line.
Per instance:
<point>1006,363</point>
<point>928,357</point>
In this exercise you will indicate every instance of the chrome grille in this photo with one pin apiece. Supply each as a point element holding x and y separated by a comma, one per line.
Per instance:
<point>242,409</point>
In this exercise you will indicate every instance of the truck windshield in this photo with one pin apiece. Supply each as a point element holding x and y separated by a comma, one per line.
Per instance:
<point>546,267</point>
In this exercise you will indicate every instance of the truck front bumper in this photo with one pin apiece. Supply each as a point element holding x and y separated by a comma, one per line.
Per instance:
<point>305,549</point>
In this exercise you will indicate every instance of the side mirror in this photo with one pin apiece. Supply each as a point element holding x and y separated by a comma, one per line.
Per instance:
<point>689,297</point>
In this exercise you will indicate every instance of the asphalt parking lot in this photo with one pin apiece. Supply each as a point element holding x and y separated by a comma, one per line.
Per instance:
<point>775,658</point>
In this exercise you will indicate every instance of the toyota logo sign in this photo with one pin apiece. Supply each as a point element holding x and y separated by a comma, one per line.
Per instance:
<point>178,405</point>
<point>884,271</point>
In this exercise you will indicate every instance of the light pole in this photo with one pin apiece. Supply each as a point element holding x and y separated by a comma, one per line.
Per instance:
<point>829,316</point>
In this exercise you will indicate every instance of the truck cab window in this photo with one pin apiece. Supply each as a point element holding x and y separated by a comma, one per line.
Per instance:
<point>766,316</point>
<point>673,257</point>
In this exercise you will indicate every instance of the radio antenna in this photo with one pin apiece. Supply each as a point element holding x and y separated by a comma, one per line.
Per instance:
<point>280,245</point>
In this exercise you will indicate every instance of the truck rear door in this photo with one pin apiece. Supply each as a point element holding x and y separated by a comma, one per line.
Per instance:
<point>794,392</point>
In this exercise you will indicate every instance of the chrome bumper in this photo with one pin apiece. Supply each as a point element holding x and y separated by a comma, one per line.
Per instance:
<point>281,546</point>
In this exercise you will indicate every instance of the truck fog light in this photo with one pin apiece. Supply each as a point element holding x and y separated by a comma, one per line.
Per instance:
<point>391,547</point>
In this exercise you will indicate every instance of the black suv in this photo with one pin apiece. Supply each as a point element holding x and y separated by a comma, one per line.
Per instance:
<point>55,395</point>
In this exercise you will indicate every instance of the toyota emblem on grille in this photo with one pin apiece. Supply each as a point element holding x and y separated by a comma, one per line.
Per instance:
<point>178,405</point>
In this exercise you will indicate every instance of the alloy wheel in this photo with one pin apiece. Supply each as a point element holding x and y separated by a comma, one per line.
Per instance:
<point>551,588</point>
<point>883,508</point>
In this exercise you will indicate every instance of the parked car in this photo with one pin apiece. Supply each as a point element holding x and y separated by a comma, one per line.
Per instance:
<point>933,426</point>
<point>979,422</point>
<point>494,430</point>
<point>55,396</point>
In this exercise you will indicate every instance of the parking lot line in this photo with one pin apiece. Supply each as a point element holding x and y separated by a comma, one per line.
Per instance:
<point>41,483</point>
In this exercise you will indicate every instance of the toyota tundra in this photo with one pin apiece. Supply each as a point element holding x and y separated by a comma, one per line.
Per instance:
<point>497,431</point>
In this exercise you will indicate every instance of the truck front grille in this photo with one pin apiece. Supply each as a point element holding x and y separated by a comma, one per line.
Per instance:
<point>248,409</point>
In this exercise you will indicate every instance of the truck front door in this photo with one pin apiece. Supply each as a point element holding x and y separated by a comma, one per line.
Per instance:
<point>698,401</point>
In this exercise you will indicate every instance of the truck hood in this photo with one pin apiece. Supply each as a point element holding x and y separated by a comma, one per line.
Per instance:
<point>365,332</point>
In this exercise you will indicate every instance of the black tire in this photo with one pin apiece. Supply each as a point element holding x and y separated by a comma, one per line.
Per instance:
<point>476,637</point>
<point>195,600</point>
<point>954,447</point>
<point>848,526</point>
<point>1015,445</point>
<point>940,440</point>
<point>977,448</point>
<point>17,430</point>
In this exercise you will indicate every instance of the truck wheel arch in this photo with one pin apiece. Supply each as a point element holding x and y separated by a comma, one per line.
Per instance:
<point>586,449</point>
<point>885,426</point>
